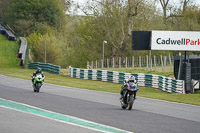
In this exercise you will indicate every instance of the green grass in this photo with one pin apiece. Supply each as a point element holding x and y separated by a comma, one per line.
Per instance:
<point>64,80</point>
<point>8,53</point>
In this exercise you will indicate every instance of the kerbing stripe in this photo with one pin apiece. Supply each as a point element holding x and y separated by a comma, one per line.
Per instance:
<point>59,117</point>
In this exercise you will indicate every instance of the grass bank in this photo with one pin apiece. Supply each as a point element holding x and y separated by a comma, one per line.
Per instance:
<point>8,53</point>
<point>64,80</point>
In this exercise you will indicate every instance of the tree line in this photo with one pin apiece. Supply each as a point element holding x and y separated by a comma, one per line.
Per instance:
<point>61,38</point>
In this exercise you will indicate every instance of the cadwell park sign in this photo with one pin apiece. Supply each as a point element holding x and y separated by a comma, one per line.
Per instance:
<point>175,40</point>
<point>166,40</point>
<point>185,67</point>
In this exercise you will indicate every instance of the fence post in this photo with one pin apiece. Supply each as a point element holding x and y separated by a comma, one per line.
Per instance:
<point>107,63</point>
<point>165,61</point>
<point>96,64</point>
<point>113,62</point>
<point>88,65</point>
<point>133,62</point>
<point>140,61</point>
<point>147,62</point>
<point>162,63</point>
<point>102,63</point>
<point>126,62</point>
<point>170,62</point>
<point>119,62</point>
<point>155,62</point>
<point>92,65</point>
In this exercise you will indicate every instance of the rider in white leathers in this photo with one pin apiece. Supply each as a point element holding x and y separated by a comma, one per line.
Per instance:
<point>125,85</point>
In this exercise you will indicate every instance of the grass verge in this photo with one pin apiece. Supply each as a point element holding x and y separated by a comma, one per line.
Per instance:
<point>64,80</point>
<point>8,53</point>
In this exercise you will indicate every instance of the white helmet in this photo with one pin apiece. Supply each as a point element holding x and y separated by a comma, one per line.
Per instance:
<point>131,78</point>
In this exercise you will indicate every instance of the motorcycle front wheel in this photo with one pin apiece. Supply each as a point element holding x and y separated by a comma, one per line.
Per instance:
<point>37,87</point>
<point>130,102</point>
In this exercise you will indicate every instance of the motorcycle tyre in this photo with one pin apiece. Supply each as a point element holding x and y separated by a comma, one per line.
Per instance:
<point>130,103</point>
<point>123,106</point>
<point>34,89</point>
<point>38,86</point>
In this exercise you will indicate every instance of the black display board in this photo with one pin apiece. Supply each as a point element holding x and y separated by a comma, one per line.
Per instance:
<point>141,40</point>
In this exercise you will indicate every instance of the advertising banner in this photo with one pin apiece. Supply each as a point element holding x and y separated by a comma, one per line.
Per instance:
<point>175,40</point>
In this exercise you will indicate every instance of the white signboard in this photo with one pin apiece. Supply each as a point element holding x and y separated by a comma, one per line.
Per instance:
<point>175,40</point>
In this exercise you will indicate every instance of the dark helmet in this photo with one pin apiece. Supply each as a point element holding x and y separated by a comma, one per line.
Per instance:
<point>39,70</point>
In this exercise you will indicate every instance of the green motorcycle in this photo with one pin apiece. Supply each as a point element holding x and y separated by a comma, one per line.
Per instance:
<point>38,82</point>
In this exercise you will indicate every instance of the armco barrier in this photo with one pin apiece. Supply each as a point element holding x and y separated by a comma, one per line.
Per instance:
<point>45,67</point>
<point>7,33</point>
<point>22,50</point>
<point>147,80</point>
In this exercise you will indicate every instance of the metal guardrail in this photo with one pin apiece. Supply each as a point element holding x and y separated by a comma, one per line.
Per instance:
<point>147,80</point>
<point>45,67</point>
<point>10,36</point>
<point>22,50</point>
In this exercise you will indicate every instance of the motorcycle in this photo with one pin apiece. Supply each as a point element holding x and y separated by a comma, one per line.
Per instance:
<point>38,82</point>
<point>128,99</point>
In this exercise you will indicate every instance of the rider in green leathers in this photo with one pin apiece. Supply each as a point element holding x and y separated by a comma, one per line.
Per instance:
<point>37,72</point>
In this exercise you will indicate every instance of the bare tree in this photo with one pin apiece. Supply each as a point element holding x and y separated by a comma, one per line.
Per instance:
<point>164,4</point>
<point>165,7</point>
<point>132,5</point>
<point>185,4</point>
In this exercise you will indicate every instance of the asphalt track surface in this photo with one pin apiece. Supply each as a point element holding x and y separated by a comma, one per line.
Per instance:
<point>148,115</point>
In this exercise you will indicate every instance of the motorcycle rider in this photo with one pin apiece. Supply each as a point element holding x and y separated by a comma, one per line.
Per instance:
<point>125,85</point>
<point>36,72</point>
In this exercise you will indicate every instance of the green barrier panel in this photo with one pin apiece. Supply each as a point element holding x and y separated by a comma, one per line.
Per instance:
<point>74,72</point>
<point>82,74</point>
<point>174,81</point>
<point>160,78</point>
<point>148,80</point>
<point>166,84</point>
<point>53,68</point>
<point>121,77</point>
<point>99,75</point>
<point>90,74</point>
<point>160,86</point>
<point>34,65</point>
<point>45,67</point>
<point>110,76</point>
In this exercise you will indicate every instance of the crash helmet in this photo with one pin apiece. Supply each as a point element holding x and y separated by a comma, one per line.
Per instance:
<point>39,70</point>
<point>131,78</point>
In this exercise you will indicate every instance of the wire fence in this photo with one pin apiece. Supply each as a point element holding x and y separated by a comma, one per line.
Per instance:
<point>134,62</point>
